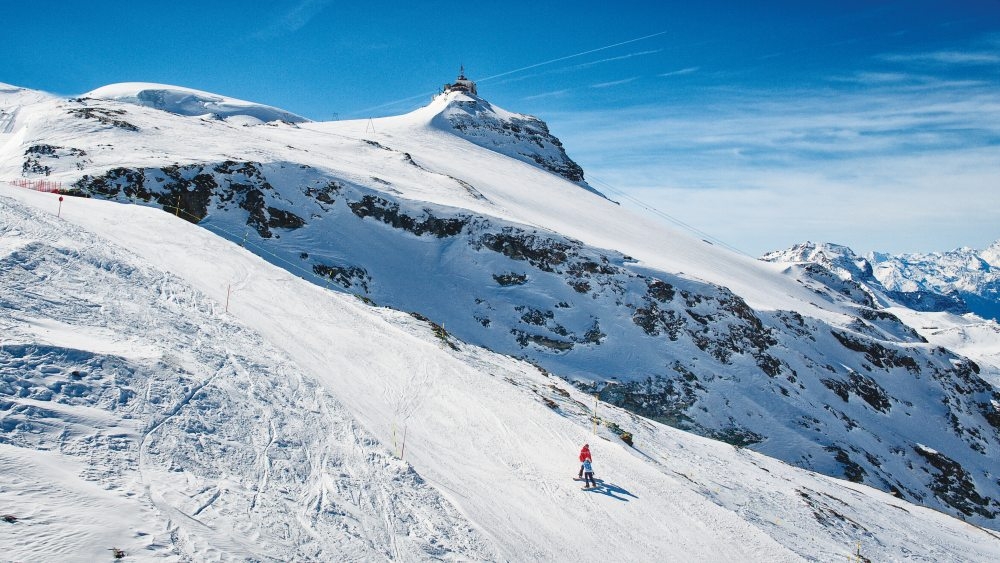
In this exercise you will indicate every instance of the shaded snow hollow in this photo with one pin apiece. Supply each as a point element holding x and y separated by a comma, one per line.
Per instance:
<point>191,102</point>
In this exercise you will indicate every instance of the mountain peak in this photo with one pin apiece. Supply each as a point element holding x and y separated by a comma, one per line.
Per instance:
<point>835,257</point>
<point>460,110</point>
<point>461,84</point>
<point>991,255</point>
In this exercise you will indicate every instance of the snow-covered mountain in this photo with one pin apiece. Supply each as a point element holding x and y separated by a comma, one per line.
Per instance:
<point>454,216</point>
<point>523,137</point>
<point>964,280</point>
<point>952,299</point>
<point>972,276</point>
<point>191,401</point>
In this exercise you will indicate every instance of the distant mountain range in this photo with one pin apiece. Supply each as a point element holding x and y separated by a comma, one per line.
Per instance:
<point>964,280</point>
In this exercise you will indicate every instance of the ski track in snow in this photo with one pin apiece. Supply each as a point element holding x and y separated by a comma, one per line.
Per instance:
<point>8,117</point>
<point>273,433</point>
<point>229,455</point>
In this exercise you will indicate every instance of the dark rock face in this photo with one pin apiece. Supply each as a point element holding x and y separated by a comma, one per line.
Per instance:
<point>852,470</point>
<point>325,194</point>
<point>863,387</point>
<point>667,398</point>
<point>541,253</point>
<point>524,135</point>
<point>188,191</point>
<point>348,277</point>
<point>511,278</point>
<point>38,158</point>
<point>953,485</point>
<point>388,212</point>
<point>876,353</point>
<point>105,116</point>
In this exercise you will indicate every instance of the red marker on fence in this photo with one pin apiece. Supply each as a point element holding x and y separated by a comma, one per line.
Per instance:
<point>59,213</point>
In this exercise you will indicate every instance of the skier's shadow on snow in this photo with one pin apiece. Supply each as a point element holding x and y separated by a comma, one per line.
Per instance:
<point>611,490</point>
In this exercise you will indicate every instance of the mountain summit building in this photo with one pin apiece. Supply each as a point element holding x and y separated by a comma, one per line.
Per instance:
<point>461,84</point>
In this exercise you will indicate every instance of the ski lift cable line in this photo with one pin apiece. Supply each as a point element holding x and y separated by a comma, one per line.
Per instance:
<point>663,215</point>
<point>392,103</point>
<point>649,208</point>
<point>515,71</point>
<point>690,228</point>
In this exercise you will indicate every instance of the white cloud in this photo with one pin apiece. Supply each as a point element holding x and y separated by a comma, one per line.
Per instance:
<point>946,57</point>
<point>893,167</point>
<point>877,77</point>
<point>295,18</point>
<point>902,204</point>
<point>552,94</point>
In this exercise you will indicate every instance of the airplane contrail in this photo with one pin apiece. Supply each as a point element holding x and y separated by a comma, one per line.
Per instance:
<point>536,65</point>
<point>509,72</point>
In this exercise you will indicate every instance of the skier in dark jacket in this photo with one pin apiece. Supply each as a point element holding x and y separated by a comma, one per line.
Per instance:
<point>584,456</point>
<point>588,476</point>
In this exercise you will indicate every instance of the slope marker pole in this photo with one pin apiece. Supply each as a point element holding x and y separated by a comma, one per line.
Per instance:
<point>595,413</point>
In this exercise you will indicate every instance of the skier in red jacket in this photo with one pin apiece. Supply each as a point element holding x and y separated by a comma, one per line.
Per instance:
<point>584,456</point>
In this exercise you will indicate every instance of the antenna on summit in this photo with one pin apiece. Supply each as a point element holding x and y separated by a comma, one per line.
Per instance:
<point>461,84</point>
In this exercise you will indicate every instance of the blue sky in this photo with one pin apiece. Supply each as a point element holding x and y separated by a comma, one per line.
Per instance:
<point>872,124</point>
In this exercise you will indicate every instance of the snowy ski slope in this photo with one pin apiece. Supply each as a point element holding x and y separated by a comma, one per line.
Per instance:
<point>274,431</point>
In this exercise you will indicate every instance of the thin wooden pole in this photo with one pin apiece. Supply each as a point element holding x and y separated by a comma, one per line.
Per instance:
<point>595,413</point>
